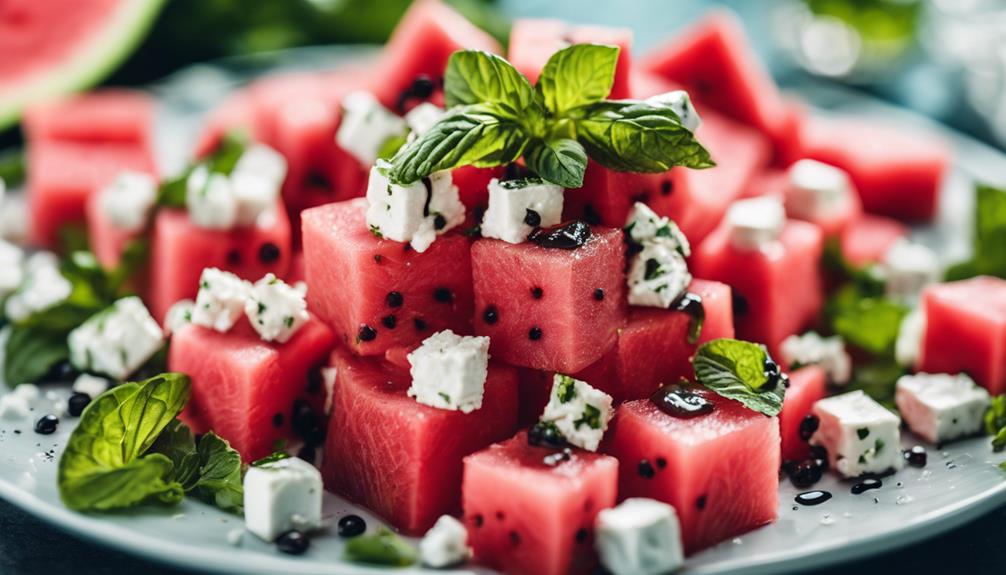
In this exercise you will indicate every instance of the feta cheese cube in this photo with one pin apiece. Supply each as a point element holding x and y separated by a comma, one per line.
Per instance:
<point>449,371</point>
<point>643,225</point>
<point>27,391</point>
<point>908,267</point>
<point>13,406</point>
<point>253,195</point>
<point>816,188</point>
<point>861,436</point>
<point>812,349</point>
<point>908,346</point>
<point>210,200</point>
<point>517,207</point>
<point>275,309</point>
<point>421,118</point>
<point>445,544</point>
<point>658,275</point>
<point>220,300</point>
<point>262,161</point>
<point>580,412</point>
<point>681,103</point>
<point>126,202</point>
<point>415,213</point>
<point>366,125</point>
<point>11,272</point>
<point>43,287</point>
<point>755,222</point>
<point>280,496</point>
<point>179,314</point>
<point>941,407</point>
<point>639,537</point>
<point>116,341</point>
<point>92,385</point>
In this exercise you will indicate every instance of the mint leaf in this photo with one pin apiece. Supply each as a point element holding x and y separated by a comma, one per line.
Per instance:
<point>635,136</point>
<point>576,76</point>
<point>178,444</point>
<point>477,135</point>
<point>562,161</point>
<point>227,153</point>
<point>995,422</point>
<point>381,548</point>
<point>477,77</point>
<point>29,354</point>
<point>12,167</point>
<point>878,380</point>
<point>868,322</point>
<point>172,191</point>
<point>219,481</point>
<point>736,370</point>
<point>271,458</point>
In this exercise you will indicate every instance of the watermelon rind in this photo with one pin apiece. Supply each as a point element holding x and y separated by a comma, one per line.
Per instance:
<point>91,62</point>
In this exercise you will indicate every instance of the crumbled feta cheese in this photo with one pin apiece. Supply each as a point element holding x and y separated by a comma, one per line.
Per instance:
<point>328,375</point>
<point>210,200</point>
<point>421,118</point>
<point>275,309</point>
<point>445,544</point>
<point>908,267</point>
<point>280,496</point>
<point>579,411</point>
<point>755,222</point>
<point>861,436</point>
<point>262,161</point>
<point>816,188</point>
<point>43,287</point>
<point>13,406</point>
<point>643,225</point>
<point>27,391</point>
<point>92,385</point>
<point>39,260</point>
<point>908,346</point>
<point>11,272</point>
<point>117,340</point>
<point>256,182</point>
<point>449,371</point>
<point>658,275</point>
<point>812,349</point>
<point>179,314</point>
<point>414,213</point>
<point>639,537</point>
<point>126,202</point>
<point>366,125</point>
<point>517,207</point>
<point>681,103</point>
<point>941,407</point>
<point>220,301</point>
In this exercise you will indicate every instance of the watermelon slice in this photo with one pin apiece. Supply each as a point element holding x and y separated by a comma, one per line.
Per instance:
<point>720,470</point>
<point>530,510</point>
<point>105,116</point>
<point>243,388</point>
<point>398,457</point>
<point>966,331</point>
<point>546,308</point>
<point>379,294</point>
<point>55,47</point>
<point>806,386</point>
<point>533,41</point>
<point>867,239</point>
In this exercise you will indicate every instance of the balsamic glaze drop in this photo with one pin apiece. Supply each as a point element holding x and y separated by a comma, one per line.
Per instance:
<point>866,485</point>
<point>567,236</point>
<point>811,498</point>
<point>691,304</point>
<point>679,402</point>
<point>916,456</point>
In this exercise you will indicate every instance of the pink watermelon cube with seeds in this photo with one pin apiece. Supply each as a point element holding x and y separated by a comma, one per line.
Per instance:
<point>531,509</point>
<point>233,114</point>
<point>399,458</point>
<point>806,386</point>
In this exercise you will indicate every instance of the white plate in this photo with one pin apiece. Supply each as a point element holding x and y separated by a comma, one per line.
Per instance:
<point>960,482</point>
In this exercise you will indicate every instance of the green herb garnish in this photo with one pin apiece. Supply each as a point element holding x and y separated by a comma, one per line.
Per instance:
<point>380,548</point>
<point>271,458</point>
<point>866,321</point>
<point>995,422</point>
<point>736,370</point>
<point>989,236</point>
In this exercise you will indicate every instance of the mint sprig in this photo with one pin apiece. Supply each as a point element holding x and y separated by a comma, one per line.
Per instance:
<point>737,370</point>
<point>989,236</point>
<point>380,548</point>
<point>496,116</point>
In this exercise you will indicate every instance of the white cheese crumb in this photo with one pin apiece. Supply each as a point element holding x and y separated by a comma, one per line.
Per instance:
<point>178,316</point>
<point>256,182</point>
<point>282,495</point>
<point>210,200</point>
<point>220,301</point>
<point>445,544</point>
<point>91,385</point>
<point>449,371</point>
<point>907,268</point>
<point>658,275</point>
<point>908,346</point>
<point>43,287</point>
<point>861,436</point>
<point>11,270</point>
<point>366,125</point>
<point>517,207</point>
<point>13,406</point>
<point>126,202</point>
<point>643,225</point>
<point>639,537</point>
<point>27,391</point>
<point>421,118</point>
<point>580,412</point>
<point>116,341</point>
<point>681,103</point>
<point>812,349</point>
<point>816,188</point>
<point>755,222</point>
<point>941,407</point>
<point>415,213</point>
<point>275,309</point>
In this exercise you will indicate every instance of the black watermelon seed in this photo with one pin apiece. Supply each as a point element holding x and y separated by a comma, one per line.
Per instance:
<point>514,538</point>
<point>76,404</point>
<point>808,426</point>
<point>394,299</point>
<point>490,315</point>
<point>420,324</point>
<point>277,420</point>
<point>367,333</point>
<point>293,542</point>
<point>439,222</point>
<point>532,218</point>
<point>47,424</point>
<point>268,253</point>
<point>234,258</point>
<point>478,520</point>
<point>351,526</point>
<point>661,462</point>
<point>581,535</point>
<point>666,187</point>
<point>378,258</point>
<point>537,292</point>
<point>423,87</point>
<point>500,516</point>
<point>443,295</point>
<point>700,503</point>
<point>535,334</point>
<point>389,321</point>
<point>645,469</point>
<point>599,294</point>
<point>316,179</point>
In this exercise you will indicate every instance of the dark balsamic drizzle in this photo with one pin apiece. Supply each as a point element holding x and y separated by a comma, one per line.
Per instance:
<point>866,485</point>
<point>811,498</point>
<point>681,403</point>
<point>691,304</point>
<point>567,236</point>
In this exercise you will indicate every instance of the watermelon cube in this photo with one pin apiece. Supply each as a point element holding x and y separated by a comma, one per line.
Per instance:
<point>180,251</point>
<point>720,470</point>
<point>398,457</point>
<point>897,171</point>
<point>777,290</point>
<point>768,182</point>
<point>531,510</point>
<point>966,331</point>
<point>866,240</point>
<point>379,294</point>
<point>643,84</point>
<point>533,41</point>
<point>104,116</point>
<point>806,386</point>
<point>546,308</point>
<point>62,175</point>
<point>243,388</point>
<point>234,114</point>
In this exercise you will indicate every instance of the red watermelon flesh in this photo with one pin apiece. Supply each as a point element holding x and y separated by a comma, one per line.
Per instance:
<point>473,190</point>
<point>525,516</point>
<point>180,251</point>
<point>777,289</point>
<point>643,84</point>
<point>714,61</point>
<point>104,116</point>
<point>269,95</point>
<point>786,147</point>
<point>402,459</point>
<point>422,42</point>
<point>242,387</point>
<point>350,275</point>
<point>550,309</point>
<point>235,113</point>
<point>806,386</point>
<point>770,181</point>
<point>867,239</point>
<point>533,41</point>
<point>62,175</point>
<point>720,471</point>
<point>897,171</point>
<point>599,202</point>
<point>966,330</point>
